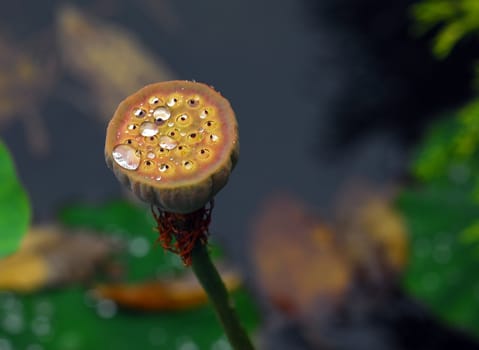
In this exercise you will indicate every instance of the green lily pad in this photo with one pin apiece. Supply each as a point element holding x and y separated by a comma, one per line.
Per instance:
<point>443,268</point>
<point>71,319</point>
<point>14,205</point>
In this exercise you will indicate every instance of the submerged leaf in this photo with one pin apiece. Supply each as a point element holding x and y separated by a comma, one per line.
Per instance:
<point>299,262</point>
<point>50,256</point>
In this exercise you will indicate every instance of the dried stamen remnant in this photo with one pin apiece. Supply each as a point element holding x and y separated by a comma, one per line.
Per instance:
<point>183,143</point>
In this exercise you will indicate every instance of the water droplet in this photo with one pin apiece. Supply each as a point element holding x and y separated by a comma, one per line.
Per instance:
<point>89,298</point>
<point>172,101</point>
<point>148,129</point>
<point>41,326</point>
<point>203,114</point>
<point>182,118</point>
<point>139,112</point>
<point>139,247</point>
<point>214,137</point>
<point>70,340</point>
<point>186,344</point>
<point>13,323</point>
<point>150,155</point>
<point>5,344</point>
<point>459,173</point>
<point>106,308</point>
<point>10,303</point>
<point>170,124</point>
<point>126,157</point>
<point>153,100</point>
<point>44,307</point>
<point>157,336</point>
<point>442,253</point>
<point>158,178</point>
<point>163,167</point>
<point>221,344</point>
<point>168,143</point>
<point>161,114</point>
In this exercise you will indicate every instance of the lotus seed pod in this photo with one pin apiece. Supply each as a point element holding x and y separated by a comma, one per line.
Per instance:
<point>174,144</point>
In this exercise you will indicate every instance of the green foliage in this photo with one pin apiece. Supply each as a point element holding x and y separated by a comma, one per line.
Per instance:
<point>70,319</point>
<point>453,19</point>
<point>443,215</point>
<point>450,150</point>
<point>443,268</point>
<point>14,205</point>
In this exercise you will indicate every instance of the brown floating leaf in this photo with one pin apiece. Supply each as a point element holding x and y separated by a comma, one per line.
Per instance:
<point>49,256</point>
<point>298,259</point>
<point>164,295</point>
<point>375,232</point>
<point>302,263</point>
<point>25,82</point>
<point>110,60</point>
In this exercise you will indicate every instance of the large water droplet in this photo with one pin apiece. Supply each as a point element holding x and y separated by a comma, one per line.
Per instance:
<point>126,157</point>
<point>148,129</point>
<point>161,114</point>
<point>168,142</point>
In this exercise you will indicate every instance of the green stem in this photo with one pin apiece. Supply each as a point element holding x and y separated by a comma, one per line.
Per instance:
<point>211,281</point>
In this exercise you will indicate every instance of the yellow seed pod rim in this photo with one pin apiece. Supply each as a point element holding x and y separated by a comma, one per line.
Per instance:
<point>207,179</point>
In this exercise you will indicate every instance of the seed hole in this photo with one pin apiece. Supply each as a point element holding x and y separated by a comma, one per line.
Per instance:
<point>204,153</point>
<point>163,167</point>
<point>129,141</point>
<point>188,164</point>
<point>154,100</point>
<point>139,112</point>
<point>193,102</point>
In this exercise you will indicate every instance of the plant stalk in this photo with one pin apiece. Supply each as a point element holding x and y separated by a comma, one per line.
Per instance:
<point>215,289</point>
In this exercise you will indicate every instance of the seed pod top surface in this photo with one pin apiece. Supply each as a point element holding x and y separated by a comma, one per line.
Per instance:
<point>174,143</point>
